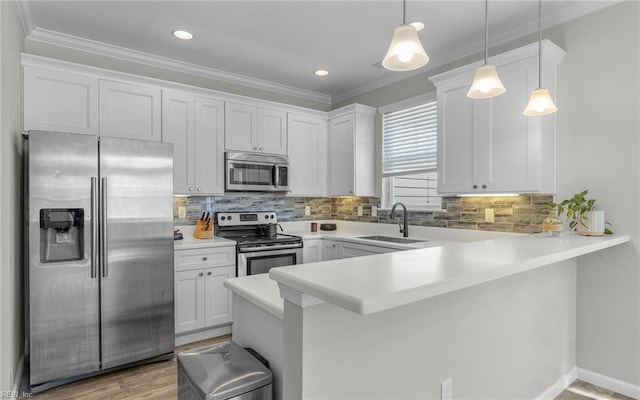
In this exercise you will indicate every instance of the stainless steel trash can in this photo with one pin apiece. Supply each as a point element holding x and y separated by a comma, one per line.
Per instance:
<point>222,372</point>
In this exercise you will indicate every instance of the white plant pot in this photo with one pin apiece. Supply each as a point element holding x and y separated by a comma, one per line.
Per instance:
<point>592,224</point>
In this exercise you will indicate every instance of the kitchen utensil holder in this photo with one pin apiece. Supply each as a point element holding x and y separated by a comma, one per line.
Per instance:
<point>203,230</point>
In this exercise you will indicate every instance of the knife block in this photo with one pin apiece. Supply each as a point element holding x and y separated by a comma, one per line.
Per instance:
<point>201,231</point>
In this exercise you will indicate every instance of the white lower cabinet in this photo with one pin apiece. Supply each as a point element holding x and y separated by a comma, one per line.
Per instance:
<point>349,250</point>
<point>329,250</point>
<point>312,250</point>
<point>201,300</point>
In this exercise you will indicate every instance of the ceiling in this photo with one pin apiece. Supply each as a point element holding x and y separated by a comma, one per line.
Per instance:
<point>276,45</point>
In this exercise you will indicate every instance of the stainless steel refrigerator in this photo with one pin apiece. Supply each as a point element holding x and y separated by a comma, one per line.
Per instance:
<point>100,254</point>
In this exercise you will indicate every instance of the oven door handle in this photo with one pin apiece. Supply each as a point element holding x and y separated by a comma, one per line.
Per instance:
<point>268,248</point>
<point>276,176</point>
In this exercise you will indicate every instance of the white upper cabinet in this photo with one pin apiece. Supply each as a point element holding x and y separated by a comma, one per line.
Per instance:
<point>489,146</point>
<point>60,101</point>
<point>253,129</point>
<point>307,143</point>
<point>130,111</point>
<point>194,125</point>
<point>351,151</point>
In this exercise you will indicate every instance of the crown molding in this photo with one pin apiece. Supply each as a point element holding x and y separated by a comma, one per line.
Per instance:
<point>26,16</point>
<point>100,48</point>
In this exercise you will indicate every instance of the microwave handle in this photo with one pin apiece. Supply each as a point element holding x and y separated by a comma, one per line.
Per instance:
<point>276,176</point>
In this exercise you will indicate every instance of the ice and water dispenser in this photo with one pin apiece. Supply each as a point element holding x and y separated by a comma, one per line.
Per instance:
<point>61,234</point>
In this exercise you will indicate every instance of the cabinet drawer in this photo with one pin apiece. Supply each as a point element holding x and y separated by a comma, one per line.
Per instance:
<point>204,258</point>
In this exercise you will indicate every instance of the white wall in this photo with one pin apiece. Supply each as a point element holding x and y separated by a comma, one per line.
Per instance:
<point>511,338</point>
<point>598,149</point>
<point>598,129</point>
<point>11,312</point>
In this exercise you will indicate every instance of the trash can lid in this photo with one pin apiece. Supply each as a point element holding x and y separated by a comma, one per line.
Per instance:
<point>223,371</point>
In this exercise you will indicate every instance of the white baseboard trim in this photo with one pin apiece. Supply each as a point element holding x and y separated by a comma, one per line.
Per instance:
<point>17,379</point>
<point>561,384</point>
<point>202,335</point>
<point>606,382</point>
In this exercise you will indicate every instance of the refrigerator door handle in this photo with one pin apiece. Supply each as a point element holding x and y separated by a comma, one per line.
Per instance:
<point>103,227</point>
<point>94,227</point>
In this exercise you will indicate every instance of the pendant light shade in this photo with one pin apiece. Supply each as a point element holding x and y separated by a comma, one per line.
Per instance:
<point>405,51</point>
<point>486,83</point>
<point>540,102</point>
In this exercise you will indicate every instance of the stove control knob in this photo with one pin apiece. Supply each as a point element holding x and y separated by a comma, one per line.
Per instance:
<point>222,218</point>
<point>266,216</point>
<point>272,216</point>
<point>229,217</point>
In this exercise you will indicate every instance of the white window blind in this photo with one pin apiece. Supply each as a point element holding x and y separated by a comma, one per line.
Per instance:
<point>409,140</point>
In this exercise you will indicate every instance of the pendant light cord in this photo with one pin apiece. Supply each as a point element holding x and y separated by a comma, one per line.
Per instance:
<point>539,43</point>
<point>404,12</point>
<point>486,32</point>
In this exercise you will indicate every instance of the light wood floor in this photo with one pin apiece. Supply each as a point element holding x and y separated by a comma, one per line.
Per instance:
<point>158,381</point>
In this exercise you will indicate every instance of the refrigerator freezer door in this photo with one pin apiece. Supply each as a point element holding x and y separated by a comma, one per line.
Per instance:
<point>137,267</point>
<point>63,286</point>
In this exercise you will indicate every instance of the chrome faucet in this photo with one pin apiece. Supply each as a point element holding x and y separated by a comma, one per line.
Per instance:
<point>404,228</point>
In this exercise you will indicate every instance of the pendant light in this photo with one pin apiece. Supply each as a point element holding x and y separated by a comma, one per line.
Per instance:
<point>540,102</point>
<point>486,83</point>
<point>405,51</point>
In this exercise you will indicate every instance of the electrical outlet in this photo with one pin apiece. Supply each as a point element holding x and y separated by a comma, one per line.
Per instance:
<point>489,215</point>
<point>446,390</point>
<point>307,210</point>
<point>360,211</point>
<point>182,212</point>
<point>374,211</point>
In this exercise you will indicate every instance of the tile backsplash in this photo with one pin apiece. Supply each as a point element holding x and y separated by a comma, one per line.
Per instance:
<point>521,214</point>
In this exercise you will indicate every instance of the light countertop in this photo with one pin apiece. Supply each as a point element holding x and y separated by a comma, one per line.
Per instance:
<point>259,290</point>
<point>366,285</point>
<point>189,242</point>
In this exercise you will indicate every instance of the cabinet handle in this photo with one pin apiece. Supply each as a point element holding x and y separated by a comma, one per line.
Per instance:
<point>475,186</point>
<point>191,189</point>
<point>201,274</point>
<point>484,186</point>
<point>351,191</point>
<point>209,273</point>
<point>204,258</point>
<point>260,148</point>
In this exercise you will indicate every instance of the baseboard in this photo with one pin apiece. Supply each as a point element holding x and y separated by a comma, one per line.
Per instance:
<point>202,335</point>
<point>561,384</point>
<point>17,379</point>
<point>606,382</point>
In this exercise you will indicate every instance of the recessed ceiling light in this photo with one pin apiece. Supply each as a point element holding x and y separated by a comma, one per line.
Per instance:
<point>418,25</point>
<point>184,35</point>
<point>321,72</point>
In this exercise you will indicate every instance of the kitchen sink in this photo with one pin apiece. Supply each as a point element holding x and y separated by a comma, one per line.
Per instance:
<point>392,239</point>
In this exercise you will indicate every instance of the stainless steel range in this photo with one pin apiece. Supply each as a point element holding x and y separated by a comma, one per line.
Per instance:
<point>259,245</point>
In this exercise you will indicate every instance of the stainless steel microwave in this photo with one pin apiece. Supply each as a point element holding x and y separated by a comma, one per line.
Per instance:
<point>254,172</point>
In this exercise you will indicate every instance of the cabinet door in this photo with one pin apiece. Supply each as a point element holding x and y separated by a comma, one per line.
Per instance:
<point>341,156</point>
<point>189,300</point>
<point>130,111</point>
<point>60,101</point>
<point>209,146</point>
<point>459,138</point>
<point>177,128</point>
<point>511,142</point>
<point>217,297</point>
<point>272,131</point>
<point>350,250</point>
<point>241,127</point>
<point>307,138</point>
<point>312,251</point>
<point>329,250</point>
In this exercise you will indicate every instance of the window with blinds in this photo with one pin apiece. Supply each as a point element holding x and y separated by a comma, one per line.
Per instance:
<point>409,157</point>
<point>409,140</point>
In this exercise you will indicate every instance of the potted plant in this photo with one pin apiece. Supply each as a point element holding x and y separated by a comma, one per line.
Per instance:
<point>582,215</point>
